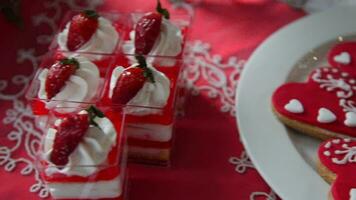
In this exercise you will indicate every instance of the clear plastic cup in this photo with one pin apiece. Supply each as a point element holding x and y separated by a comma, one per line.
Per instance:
<point>150,128</point>
<point>180,20</point>
<point>118,21</point>
<point>41,104</point>
<point>96,169</point>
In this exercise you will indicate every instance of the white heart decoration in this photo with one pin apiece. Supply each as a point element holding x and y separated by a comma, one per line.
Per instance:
<point>343,58</point>
<point>294,106</point>
<point>350,120</point>
<point>325,116</point>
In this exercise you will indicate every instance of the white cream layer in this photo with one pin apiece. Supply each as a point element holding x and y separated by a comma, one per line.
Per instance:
<point>81,86</point>
<point>151,132</point>
<point>150,97</point>
<point>90,190</point>
<point>92,150</point>
<point>104,40</point>
<point>169,43</point>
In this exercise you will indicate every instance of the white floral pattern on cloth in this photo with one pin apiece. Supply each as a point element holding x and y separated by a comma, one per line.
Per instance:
<point>268,196</point>
<point>242,163</point>
<point>211,73</point>
<point>25,134</point>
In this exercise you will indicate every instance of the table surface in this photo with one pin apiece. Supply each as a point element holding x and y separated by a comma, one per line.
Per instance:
<point>209,161</point>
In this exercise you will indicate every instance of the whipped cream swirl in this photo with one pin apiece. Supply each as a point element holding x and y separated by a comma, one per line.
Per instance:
<point>91,151</point>
<point>168,43</point>
<point>104,40</point>
<point>153,96</point>
<point>82,86</point>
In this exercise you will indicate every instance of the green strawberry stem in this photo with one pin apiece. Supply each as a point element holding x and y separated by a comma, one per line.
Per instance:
<point>70,61</point>
<point>94,112</point>
<point>91,14</point>
<point>141,61</point>
<point>161,10</point>
<point>148,74</point>
<point>147,71</point>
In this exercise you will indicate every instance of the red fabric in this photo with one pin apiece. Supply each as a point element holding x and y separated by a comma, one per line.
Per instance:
<point>206,137</point>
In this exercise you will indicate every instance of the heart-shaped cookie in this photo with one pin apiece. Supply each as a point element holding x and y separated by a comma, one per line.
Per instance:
<point>325,105</point>
<point>337,165</point>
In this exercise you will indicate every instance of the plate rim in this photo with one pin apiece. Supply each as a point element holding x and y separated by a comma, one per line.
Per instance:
<point>315,37</point>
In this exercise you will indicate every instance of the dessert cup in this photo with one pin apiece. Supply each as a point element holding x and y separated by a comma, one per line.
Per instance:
<point>149,126</point>
<point>169,44</point>
<point>105,41</point>
<point>72,93</point>
<point>96,169</point>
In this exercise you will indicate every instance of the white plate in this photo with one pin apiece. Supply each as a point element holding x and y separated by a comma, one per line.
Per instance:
<point>286,160</point>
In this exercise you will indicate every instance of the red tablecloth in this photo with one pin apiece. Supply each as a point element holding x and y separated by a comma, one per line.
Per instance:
<point>209,161</point>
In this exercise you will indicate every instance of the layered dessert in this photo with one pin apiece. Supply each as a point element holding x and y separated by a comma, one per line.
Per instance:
<point>156,35</point>
<point>89,32</point>
<point>82,156</point>
<point>149,94</point>
<point>64,82</point>
<point>85,67</point>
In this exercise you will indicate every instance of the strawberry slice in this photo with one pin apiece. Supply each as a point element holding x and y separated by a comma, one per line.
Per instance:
<point>70,132</point>
<point>81,29</point>
<point>148,28</point>
<point>146,32</point>
<point>130,81</point>
<point>58,74</point>
<point>128,84</point>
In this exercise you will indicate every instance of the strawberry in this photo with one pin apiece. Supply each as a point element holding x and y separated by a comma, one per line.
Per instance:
<point>148,28</point>
<point>128,84</point>
<point>70,132</point>
<point>146,32</point>
<point>130,81</point>
<point>81,29</point>
<point>58,74</point>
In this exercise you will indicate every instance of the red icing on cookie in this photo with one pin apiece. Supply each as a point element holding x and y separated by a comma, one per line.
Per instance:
<point>339,156</point>
<point>338,50</point>
<point>327,98</point>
